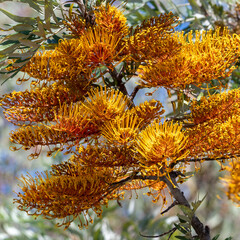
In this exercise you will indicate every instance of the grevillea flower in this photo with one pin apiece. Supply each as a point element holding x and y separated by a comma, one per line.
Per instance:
<point>112,20</point>
<point>153,39</point>
<point>36,105</point>
<point>214,138</point>
<point>147,111</point>
<point>105,104</point>
<point>97,155</point>
<point>220,106</point>
<point>209,56</point>
<point>102,46</point>
<point>67,193</point>
<point>161,145</point>
<point>233,181</point>
<point>122,131</point>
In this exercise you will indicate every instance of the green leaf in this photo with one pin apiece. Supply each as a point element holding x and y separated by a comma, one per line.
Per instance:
<point>197,204</point>
<point>26,20</point>
<point>179,228</point>
<point>185,218</point>
<point>186,210</point>
<point>41,32</point>
<point>216,237</point>
<point>182,238</point>
<point>33,4</point>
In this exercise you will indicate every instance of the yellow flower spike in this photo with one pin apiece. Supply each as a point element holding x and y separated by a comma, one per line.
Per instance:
<point>122,131</point>
<point>98,156</point>
<point>214,138</point>
<point>33,136</point>
<point>67,196</point>
<point>153,39</point>
<point>112,20</point>
<point>105,104</point>
<point>232,181</point>
<point>161,145</point>
<point>211,56</point>
<point>148,111</point>
<point>220,106</point>
<point>102,46</point>
<point>36,105</point>
<point>74,119</point>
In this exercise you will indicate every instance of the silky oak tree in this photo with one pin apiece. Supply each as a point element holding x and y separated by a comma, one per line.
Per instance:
<point>78,104</point>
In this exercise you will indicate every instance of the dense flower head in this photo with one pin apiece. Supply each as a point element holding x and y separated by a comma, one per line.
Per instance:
<point>161,145</point>
<point>220,106</point>
<point>209,56</point>
<point>37,105</point>
<point>111,20</point>
<point>79,104</point>
<point>69,190</point>
<point>214,138</point>
<point>233,181</point>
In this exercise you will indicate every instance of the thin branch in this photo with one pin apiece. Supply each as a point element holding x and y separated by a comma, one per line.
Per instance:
<point>161,235</point>
<point>135,91</point>
<point>171,206</point>
<point>202,231</point>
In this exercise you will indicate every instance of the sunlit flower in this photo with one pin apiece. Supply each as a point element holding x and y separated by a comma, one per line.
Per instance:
<point>210,56</point>
<point>101,154</point>
<point>148,111</point>
<point>214,138</point>
<point>36,105</point>
<point>153,39</point>
<point>67,193</point>
<point>112,20</point>
<point>74,119</point>
<point>233,181</point>
<point>102,46</point>
<point>220,106</point>
<point>161,145</point>
<point>122,131</point>
<point>105,104</point>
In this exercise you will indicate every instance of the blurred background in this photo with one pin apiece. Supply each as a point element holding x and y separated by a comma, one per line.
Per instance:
<point>138,213</point>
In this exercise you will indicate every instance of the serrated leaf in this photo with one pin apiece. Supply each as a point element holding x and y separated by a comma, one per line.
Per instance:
<point>26,20</point>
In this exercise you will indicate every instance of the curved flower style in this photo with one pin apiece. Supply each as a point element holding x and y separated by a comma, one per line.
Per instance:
<point>210,56</point>
<point>111,20</point>
<point>217,106</point>
<point>233,181</point>
<point>79,104</point>
<point>161,145</point>
<point>36,105</point>
<point>69,190</point>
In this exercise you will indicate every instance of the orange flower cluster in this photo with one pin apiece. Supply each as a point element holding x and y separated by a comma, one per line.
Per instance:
<point>216,130</point>
<point>115,145</point>
<point>233,181</point>
<point>209,56</point>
